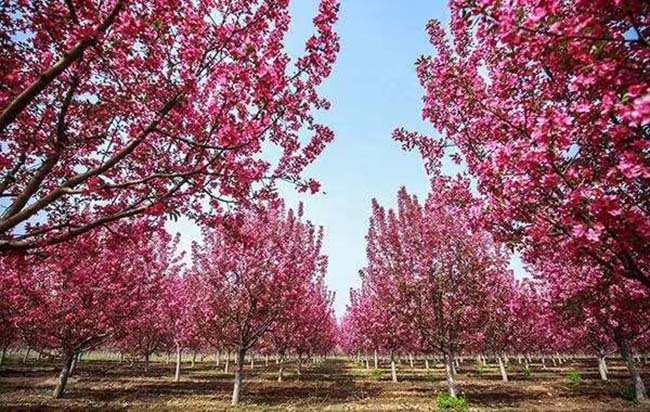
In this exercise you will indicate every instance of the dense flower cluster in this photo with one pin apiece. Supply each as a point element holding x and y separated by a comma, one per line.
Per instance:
<point>111,109</point>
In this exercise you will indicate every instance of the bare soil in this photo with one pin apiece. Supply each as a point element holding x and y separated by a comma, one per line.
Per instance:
<point>334,385</point>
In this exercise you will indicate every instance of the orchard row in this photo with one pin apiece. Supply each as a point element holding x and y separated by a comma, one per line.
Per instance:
<point>116,116</point>
<point>255,285</point>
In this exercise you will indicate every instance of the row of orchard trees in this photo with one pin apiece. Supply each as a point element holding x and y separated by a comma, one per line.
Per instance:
<point>255,284</point>
<point>437,284</point>
<point>116,116</point>
<point>547,103</point>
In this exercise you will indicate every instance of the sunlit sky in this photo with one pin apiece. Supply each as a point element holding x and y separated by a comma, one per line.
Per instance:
<point>374,89</point>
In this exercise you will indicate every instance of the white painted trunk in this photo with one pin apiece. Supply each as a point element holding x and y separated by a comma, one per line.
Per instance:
<point>502,368</point>
<point>179,354</point>
<point>239,378</point>
<point>449,371</point>
<point>602,368</point>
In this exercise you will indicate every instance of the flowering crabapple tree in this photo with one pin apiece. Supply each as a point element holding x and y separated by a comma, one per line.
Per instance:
<point>500,318</point>
<point>112,109</point>
<point>548,102</point>
<point>439,267</point>
<point>8,332</point>
<point>248,272</point>
<point>73,299</point>
<point>375,317</point>
<point>315,322</point>
<point>307,327</point>
<point>602,312</point>
<point>153,329</point>
<point>178,316</point>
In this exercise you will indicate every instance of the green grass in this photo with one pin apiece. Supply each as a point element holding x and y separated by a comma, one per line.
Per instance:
<point>485,369</point>
<point>452,404</point>
<point>377,374</point>
<point>574,377</point>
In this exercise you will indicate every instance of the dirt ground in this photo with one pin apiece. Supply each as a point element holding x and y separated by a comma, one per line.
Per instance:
<point>334,385</point>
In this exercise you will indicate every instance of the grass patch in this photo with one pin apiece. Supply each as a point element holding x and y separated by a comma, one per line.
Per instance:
<point>574,377</point>
<point>377,373</point>
<point>451,404</point>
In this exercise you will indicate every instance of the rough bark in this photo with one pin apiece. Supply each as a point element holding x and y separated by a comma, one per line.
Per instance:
<point>239,376</point>
<point>637,382</point>
<point>64,375</point>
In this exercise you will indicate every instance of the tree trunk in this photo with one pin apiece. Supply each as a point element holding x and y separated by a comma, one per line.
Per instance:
<point>502,368</point>
<point>426,363</point>
<point>281,370</point>
<point>543,363</point>
<point>266,360</point>
<point>602,367</point>
<point>239,377</point>
<point>146,362</point>
<point>227,367</point>
<point>26,357</point>
<point>411,360</point>
<point>218,359</point>
<point>299,367</point>
<point>73,366</point>
<point>449,371</point>
<point>637,382</point>
<point>3,355</point>
<point>376,361</point>
<point>193,359</point>
<point>63,376</point>
<point>393,368</point>
<point>179,354</point>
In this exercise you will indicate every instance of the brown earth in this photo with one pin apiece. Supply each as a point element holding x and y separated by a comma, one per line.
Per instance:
<point>334,385</point>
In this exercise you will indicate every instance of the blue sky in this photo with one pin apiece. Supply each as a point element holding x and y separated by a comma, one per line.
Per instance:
<point>374,89</point>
